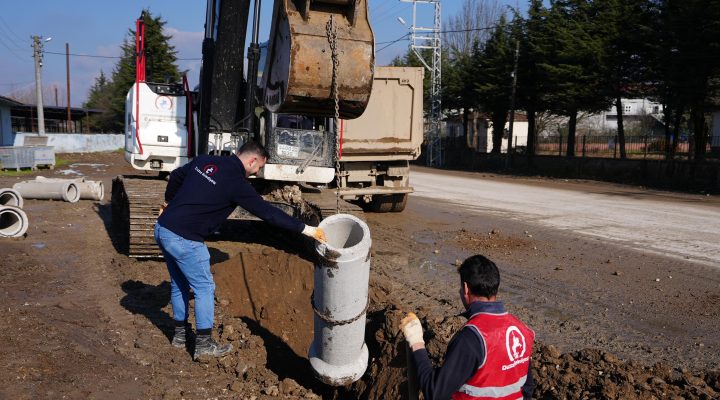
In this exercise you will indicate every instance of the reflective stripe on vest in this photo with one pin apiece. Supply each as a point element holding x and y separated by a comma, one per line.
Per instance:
<point>494,392</point>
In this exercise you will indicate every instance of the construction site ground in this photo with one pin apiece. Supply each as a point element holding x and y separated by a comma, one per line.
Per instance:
<point>82,320</point>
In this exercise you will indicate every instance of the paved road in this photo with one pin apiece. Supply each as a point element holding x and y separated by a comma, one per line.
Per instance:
<point>681,226</point>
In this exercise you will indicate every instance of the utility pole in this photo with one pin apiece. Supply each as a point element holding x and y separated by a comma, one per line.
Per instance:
<point>67,69</point>
<point>512,104</point>
<point>429,38</point>
<point>37,54</point>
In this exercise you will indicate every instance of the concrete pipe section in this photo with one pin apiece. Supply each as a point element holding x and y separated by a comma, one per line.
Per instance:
<point>13,221</point>
<point>338,354</point>
<point>66,191</point>
<point>10,197</point>
<point>89,190</point>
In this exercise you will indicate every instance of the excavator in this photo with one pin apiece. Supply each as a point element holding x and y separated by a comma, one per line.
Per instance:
<point>318,68</point>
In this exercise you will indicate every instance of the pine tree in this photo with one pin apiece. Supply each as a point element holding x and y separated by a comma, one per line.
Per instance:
<point>493,78</point>
<point>100,98</point>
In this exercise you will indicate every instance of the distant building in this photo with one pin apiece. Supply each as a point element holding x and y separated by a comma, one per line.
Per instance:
<point>640,117</point>
<point>6,131</point>
<point>24,119</point>
<point>480,131</point>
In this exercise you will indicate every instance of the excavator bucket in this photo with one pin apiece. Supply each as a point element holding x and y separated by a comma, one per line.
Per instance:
<point>298,75</point>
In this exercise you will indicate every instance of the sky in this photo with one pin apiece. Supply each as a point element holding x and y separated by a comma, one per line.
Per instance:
<point>95,29</point>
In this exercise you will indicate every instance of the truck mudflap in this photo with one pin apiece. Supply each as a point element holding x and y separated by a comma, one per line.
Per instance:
<point>298,77</point>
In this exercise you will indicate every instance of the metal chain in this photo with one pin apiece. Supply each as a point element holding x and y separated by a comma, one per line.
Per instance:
<point>331,30</point>
<point>334,322</point>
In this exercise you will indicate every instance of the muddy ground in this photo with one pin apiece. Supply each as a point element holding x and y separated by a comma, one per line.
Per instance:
<point>82,320</point>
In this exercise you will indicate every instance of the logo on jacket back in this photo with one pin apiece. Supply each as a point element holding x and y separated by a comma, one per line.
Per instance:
<point>210,169</point>
<point>516,347</point>
<point>207,171</point>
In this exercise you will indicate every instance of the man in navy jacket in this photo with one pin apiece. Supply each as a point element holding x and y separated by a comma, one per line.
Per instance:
<point>198,199</point>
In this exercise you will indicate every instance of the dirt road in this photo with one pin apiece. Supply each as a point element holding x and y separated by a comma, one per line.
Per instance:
<point>671,225</point>
<point>83,320</point>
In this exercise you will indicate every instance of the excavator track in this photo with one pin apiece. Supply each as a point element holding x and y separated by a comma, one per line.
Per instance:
<point>135,205</point>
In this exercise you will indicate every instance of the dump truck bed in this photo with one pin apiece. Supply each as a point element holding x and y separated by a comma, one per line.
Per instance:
<point>391,128</point>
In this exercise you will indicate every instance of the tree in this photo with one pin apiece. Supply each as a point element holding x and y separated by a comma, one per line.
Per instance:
<point>529,84</point>
<point>100,98</point>
<point>493,78</point>
<point>626,27</point>
<point>572,70</point>
<point>161,67</point>
<point>688,61</point>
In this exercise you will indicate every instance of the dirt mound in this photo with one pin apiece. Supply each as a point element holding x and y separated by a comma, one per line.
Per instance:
<point>592,373</point>
<point>271,288</point>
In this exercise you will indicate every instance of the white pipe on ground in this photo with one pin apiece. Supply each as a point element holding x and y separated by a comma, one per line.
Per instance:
<point>67,191</point>
<point>338,354</point>
<point>89,190</point>
<point>13,221</point>
<point>10,197</point>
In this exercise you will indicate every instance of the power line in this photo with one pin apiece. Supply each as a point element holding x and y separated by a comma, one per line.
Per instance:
<point>113,57</point>
<point>391,42</point>
<point>17,38</point>
<point>404,37</point>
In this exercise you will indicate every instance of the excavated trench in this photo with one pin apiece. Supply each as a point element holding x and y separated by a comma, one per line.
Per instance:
<point>264,309</point>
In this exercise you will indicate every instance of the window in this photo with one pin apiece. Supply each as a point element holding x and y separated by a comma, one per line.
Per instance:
<point>627,109</point>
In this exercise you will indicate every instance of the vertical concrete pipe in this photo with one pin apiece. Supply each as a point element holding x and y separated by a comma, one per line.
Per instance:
<point>13,221</point>
<point>338,354</point>
<point>89,190</point>
<point>10,197</point>
<point>66,191</point>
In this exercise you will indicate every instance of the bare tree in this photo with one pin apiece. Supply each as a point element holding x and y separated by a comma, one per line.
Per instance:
<point>470,25</point>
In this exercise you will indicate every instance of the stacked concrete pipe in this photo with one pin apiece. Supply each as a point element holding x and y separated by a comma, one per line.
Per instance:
<point>10,197</point>
<point>338,354</point>
<point>13,220</point>
<point>54,190</point>
<point>89,190</point>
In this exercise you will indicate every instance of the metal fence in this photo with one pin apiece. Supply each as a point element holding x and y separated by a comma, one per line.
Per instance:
<point>635,147</point>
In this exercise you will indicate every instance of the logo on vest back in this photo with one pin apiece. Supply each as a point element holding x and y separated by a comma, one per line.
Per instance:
<point>514,342</point>
<point>516,347</point>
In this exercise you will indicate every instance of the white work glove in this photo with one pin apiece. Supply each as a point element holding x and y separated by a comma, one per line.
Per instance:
<point>315,233</point>
<point>412,329</point>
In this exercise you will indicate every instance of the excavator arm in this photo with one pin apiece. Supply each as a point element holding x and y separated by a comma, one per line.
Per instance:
<point>298,76</point>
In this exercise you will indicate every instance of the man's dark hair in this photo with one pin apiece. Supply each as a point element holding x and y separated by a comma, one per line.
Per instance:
<point>253,148</point>
<point>481,275</point>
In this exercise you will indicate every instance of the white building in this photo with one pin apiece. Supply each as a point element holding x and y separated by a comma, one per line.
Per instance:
<point>480,134</point>
<point>640,115</point>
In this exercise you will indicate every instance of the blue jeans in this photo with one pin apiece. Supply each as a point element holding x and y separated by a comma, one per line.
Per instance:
<point>188,262</point>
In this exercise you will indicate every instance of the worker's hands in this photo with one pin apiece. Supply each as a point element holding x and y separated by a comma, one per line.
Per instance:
<point>162,208</point>
<point>412,329</point>
<point>315,233</point>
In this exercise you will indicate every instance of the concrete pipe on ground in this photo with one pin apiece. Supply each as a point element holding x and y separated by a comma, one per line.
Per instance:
<point>13,221</point>
<point>338,354</point>
<point>89,190</point>
<point>10,197</point>
<point>54,190</point>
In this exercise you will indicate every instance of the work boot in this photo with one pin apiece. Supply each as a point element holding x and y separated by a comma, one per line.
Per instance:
<point>181,336</point>
<point>206,347</point>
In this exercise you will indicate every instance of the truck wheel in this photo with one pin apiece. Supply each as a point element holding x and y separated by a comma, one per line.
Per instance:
<point>399,202</point>
<point>381,204</point>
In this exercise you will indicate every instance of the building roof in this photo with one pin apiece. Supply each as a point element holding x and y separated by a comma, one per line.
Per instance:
<point>8,102</point>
